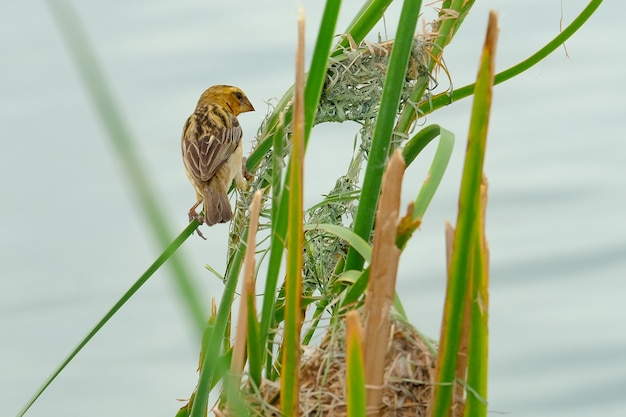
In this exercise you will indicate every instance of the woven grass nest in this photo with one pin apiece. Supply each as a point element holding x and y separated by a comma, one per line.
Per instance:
<point>409,371</point>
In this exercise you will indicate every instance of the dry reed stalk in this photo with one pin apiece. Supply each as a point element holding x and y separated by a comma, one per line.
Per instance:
<point>382,282</point>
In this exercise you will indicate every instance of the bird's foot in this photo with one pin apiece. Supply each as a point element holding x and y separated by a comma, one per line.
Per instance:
<point>200,234</point>
<point>244,169</point>
<point>195,216</point>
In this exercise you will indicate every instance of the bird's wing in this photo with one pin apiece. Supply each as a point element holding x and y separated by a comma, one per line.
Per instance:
<point>213,143</point>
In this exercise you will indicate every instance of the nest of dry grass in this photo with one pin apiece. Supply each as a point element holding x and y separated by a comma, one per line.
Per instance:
<point>355,78</point>
<point>409,373</point>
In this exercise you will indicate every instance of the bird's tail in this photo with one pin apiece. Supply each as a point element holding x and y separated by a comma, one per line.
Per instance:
<point>216,205</point>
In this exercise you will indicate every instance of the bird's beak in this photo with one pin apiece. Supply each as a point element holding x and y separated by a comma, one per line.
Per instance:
<point>245,105</point>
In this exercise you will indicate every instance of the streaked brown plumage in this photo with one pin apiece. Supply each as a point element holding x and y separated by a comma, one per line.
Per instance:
<point>212,151</point>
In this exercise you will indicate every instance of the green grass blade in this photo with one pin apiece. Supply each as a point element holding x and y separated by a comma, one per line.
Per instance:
<point>468,223</point>
<point>416,144</point>
<point>477,363</point>
<point>440,161</point>
<point>290,378</point>
<point>279,229</point>
<point>354,291</point>
<point>319,62</point>
<point>255,353</point>
<point>447,98</point>
<point>315,321</point>
<point>364,21</point>
<point>116,307</point>
<point>214,343</point>
<point>277,245</point>
<point>397,305</point>
<point>435,174</point>
<point>451,15</point>
<point>314,84</point>
<point>476,404</point>
<point>95,81</point>
<point>355,374</point>
<point>383,131</point>
<point>354,240</point>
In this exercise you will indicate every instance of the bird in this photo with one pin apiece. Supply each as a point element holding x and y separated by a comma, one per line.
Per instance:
<point>212,151</point>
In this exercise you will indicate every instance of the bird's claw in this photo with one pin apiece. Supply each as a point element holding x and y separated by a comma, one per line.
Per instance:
<point>200,234</point>
<point>244,169</point>
<point>195,216</point>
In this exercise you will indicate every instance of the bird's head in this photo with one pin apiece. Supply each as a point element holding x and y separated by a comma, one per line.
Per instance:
<point>227,96</point>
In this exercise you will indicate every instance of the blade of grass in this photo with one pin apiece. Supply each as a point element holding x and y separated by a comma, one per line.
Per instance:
<point>290,377</point>
<point>476,403</point>
<point>410,223</point>
<point>477,361</point>
<point>277,246</point>
<point>383,131</point>
<point>95,81</point>
<point>371,12</point>
<point>116,307</point>
<point>468,222</point>
<point>443,99</point>
<point>460,374</point>
<point>255,351</point>
<point>354,240</point>
<point>435,173</point>
<point>438,167</point>
<point>355,290</point>
<point>314,84</point>
<point>290,381</point>
<point>185,410</point>
<point>320,308</point>
<point>451,15</point>
<point>317,72</point>
<point>418,142</point>
<point>209,369</point>
<point>282,116</point>
<point>355,378</point>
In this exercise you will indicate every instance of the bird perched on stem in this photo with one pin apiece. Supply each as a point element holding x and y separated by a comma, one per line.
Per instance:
<point>212,151</point>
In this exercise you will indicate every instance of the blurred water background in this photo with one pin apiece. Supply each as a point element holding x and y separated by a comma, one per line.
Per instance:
<point>72,237</point>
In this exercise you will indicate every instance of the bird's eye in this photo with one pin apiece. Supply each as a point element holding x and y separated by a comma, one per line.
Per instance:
<point>238,95</point>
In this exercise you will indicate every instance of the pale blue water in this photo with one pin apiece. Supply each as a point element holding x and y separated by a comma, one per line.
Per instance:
<point>73,240</point>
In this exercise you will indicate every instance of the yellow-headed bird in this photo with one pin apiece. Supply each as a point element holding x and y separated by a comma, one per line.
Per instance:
<point>212,151</point>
